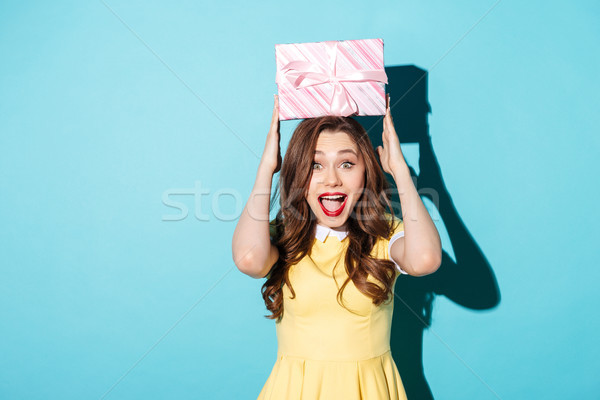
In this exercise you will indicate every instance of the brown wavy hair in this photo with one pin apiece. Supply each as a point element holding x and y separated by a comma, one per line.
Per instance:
<point>295,222</point>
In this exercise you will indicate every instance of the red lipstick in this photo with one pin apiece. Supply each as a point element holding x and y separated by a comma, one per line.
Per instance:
<point>339,210</point>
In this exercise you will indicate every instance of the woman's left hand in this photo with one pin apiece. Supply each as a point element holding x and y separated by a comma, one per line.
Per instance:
<point>390,154</point>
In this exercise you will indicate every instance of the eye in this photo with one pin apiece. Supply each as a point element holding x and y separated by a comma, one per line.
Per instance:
<point>347,165</point>
<point>316,165</point>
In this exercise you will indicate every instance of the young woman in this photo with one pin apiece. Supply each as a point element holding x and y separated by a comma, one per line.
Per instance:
<point>332,256</point>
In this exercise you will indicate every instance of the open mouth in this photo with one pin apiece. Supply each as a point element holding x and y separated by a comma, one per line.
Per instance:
<point>333,204</point>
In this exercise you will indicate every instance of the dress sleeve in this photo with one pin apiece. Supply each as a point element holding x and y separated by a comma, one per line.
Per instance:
<point>397,233</point>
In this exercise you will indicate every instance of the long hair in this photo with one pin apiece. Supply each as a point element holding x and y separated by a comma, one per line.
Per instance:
<point>295,222</point>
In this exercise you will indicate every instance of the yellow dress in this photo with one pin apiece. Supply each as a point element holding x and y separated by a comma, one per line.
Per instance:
<point>326,352</point>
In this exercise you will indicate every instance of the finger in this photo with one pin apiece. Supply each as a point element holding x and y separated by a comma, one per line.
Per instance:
<point>386,132</point>
<point>386,119</point>
<point>389,123</point>
<point>277,107</point>
<point>275,117</point>
<point>274,107</point>
<point>386,122</point>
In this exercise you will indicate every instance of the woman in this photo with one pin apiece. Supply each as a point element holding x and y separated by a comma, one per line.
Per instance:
<point>332,256</point>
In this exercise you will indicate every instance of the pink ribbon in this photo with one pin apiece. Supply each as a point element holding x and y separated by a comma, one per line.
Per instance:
<point>302,74</point>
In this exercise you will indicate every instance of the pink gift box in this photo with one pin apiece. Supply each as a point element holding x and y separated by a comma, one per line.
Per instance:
<point>330,78</point>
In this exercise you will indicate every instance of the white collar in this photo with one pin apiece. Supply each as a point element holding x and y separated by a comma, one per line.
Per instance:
<point>323,231</point>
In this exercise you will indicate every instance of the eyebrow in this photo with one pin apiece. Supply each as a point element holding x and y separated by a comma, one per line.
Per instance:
<point>343,151</point>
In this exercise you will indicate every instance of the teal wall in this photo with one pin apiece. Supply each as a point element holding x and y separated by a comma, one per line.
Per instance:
<point>112,111</point>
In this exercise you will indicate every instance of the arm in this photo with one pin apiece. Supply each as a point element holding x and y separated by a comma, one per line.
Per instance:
<point>252,251</point>
<point>419,252</point>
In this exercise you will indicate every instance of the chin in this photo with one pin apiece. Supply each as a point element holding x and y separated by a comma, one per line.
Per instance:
<point>334,222</point>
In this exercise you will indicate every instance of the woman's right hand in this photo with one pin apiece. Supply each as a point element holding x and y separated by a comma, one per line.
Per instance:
<point>271,157</point>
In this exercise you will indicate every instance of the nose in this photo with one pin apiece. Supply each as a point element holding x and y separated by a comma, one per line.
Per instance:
<point>331,178</point>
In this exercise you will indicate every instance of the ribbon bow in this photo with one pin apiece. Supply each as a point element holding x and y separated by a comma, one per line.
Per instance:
<point>302,74</point>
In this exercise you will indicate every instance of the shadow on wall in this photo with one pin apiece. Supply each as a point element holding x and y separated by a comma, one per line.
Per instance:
<point>470,281</point>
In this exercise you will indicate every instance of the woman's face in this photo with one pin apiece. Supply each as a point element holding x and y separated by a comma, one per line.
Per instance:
<point>337,179</point>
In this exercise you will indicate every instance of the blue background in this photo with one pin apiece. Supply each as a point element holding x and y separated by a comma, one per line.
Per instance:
<point>110,111</point>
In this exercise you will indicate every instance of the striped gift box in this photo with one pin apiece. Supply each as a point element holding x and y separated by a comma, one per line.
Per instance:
<point>330,78</point>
